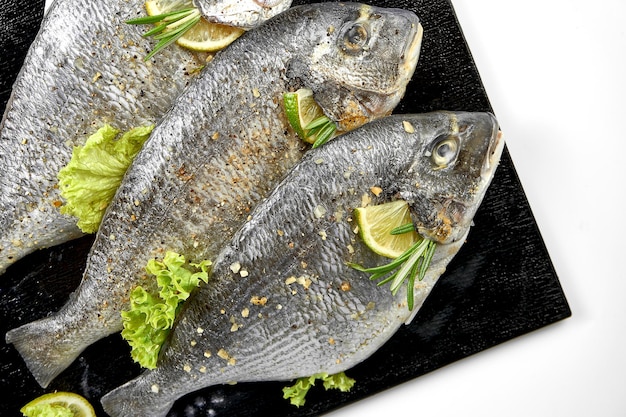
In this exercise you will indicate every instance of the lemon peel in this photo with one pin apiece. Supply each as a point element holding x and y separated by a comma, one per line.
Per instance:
<point>59,404</point>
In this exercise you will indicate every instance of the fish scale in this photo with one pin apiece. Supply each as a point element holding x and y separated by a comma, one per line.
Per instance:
<point>339,317</point>
<point>227,140</point>
<point>84,69</point>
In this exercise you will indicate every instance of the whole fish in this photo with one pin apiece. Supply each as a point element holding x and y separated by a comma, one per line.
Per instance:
<point>84,69</point>
<point>320,315</point>
<point>220,149</point>
<point>245,14</point>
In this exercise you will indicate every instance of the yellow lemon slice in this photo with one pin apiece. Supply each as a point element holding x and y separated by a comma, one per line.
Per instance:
<point>376,223</point>
<point>61,403</point>
<point>204,36</point>
<point>209,37</point>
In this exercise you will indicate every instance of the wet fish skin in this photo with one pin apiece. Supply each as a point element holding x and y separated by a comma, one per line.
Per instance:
<point>317,307</point>
<point>219,150</point>
<point>84,69</point>
<point>245,14</point>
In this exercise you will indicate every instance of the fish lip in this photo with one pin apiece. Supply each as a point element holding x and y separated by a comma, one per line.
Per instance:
<point>413,46</point>
<point>494,152</point>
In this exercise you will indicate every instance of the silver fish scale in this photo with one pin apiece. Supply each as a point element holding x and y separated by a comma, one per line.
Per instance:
<point>84,69</point>
<point>320,315</point>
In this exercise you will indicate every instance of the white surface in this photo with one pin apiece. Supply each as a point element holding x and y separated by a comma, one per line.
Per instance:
<point>554,73</point>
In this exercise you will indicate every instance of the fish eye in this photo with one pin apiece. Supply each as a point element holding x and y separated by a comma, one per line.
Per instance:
<point>355,38</point>
<point>445,151</point>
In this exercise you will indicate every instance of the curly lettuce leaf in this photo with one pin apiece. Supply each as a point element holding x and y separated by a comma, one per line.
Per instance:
<point>296,393</point>
<point>151,315</point>
<point>91,178</point>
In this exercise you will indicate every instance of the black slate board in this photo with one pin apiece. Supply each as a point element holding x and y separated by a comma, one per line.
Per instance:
<point>501,285</point>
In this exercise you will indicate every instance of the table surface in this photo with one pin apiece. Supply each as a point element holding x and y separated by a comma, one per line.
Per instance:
<point>553,72</point>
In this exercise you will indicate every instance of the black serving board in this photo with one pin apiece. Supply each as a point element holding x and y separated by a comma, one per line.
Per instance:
<point>501,284</point>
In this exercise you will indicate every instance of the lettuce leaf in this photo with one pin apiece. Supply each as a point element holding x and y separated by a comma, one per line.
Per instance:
<point>152,314</point>
<point>296,393</point>
<point>91,178</point>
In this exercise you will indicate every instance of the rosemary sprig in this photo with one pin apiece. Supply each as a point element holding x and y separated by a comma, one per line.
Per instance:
<point>409,266</point>
<point>323,127</point>
<point>171,26</point>
<point>405,228</point>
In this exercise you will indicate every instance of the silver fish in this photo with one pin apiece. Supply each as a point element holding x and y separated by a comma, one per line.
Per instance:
<point>321,315</point>
<point>84,69</point>
<point>220,149</point>
<point>245,14</point>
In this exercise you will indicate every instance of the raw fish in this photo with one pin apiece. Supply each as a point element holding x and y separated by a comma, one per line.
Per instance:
<point>222,147</point>
<point>318,314</point>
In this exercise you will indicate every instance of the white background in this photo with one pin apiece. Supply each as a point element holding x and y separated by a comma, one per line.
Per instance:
<point>554,71</point>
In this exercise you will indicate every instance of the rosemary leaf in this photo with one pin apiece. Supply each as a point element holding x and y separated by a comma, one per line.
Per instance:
<point>317,123</point>
<point>325,134</point>
<point>154,19</point>
<point>405,228</point>
<point>409,266</point>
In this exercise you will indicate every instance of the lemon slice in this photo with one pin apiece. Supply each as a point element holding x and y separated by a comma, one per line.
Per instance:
<point>204,36</point>
<point>376,223</point>
<point>209,37</point>
<point>61,404</point>
<point>301,109</point>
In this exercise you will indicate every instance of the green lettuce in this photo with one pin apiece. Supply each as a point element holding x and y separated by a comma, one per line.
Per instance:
<point>152,314</point>
<point>91,178</point>
<point>47,410</point>
<point>296,393</point>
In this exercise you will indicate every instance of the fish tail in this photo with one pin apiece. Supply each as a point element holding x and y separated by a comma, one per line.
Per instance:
<point>139,397</point>
<point>44,348</point>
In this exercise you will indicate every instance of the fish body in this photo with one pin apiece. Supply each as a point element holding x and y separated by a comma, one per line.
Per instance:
<point>245,14</point>
<point>85,69</point>
<point>220,149</point>
<point>319,314</point>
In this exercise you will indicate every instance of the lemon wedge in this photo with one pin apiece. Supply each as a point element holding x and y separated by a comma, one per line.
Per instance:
<point>301,110</point>
<point>307,118</point>
<point>59,404</point>
<point>376,223</point>
<point>204,36</point>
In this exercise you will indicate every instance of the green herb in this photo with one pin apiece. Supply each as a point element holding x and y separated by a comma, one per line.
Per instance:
<point>405,228</point>
<point>91,178</point>
<point>409,266</point>
<point>151,315</point>
<point>171,26</point>
<point>323,127</point>
<point>296,393</point>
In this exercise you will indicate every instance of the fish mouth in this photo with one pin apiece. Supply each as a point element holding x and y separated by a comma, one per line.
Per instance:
<point>494,153</point>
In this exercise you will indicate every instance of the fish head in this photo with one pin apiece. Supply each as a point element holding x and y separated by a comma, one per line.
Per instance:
<point>455,158</point>
<point>245,14</point>
<point>359,69</point>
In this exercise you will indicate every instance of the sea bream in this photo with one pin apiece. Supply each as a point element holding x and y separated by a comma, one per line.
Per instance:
<point>220,149</point>
<point>85,69</point>
<point>321,315</point>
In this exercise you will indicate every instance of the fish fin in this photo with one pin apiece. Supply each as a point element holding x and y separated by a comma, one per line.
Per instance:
<point>44,355</point>
<point>137,398</point>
